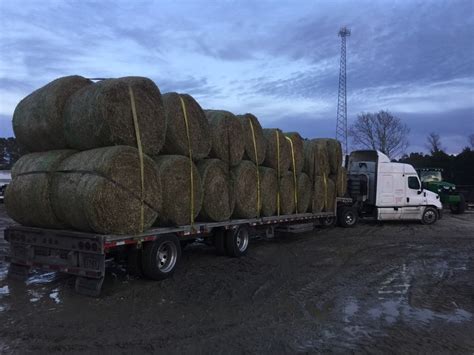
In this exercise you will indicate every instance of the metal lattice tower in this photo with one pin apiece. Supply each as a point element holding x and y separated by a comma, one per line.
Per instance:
<point>341,125</point>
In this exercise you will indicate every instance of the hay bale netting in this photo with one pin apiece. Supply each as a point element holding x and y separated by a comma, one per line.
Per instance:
<point>251,137</point>
<point>287,193</point>
<point>324,195</point>
<point>28,196</point>
<point>218,197</point>
<point>315,158</point>
<point>340,180</point>
<point>274,138</point>
<point>227,136</point>
<point>38,120</point>
<point>100,115</point>
<point>268,191</point>
<point>304,193</point>
<point>175,175</point>
<point>334,149</point>
<point>297,142</point>
<point>244,180</point>
<point>176,137</point>
<point>99,191</point>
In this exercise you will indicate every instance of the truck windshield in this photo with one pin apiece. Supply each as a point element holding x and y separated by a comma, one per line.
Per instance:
<point>428,176</point>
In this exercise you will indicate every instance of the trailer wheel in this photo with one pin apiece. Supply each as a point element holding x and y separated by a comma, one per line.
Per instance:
<point>327,222</point>
<point>430,215</point>
<point>237,241</point>
<point>347,217</point>
<point>460,207</point>
<point>160,257</point>
<point>219,241</point>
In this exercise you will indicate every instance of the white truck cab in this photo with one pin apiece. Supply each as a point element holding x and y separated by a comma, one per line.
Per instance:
<point>389,191</point>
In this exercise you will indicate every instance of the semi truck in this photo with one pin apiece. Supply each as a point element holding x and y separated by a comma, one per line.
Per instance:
<point>378,189</point>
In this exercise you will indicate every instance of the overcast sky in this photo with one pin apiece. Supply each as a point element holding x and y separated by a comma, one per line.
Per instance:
<point>276,59</point>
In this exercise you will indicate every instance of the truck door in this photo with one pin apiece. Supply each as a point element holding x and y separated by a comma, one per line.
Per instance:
<point>414,199</point>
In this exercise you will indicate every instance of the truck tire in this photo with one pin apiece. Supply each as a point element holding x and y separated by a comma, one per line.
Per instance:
<point>460,207</point>
<point>160,257</point>
<point>237,241</point>
<point>219,241</point>
<point>430,216</point>
<point>347,217</point>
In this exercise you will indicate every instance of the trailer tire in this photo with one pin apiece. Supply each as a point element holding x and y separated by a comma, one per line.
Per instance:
<point>347,217</point>
<point>327,222</point>
<point>219,241</point>
<point>430,216</point>
<point>237,241</point>
<point>160,257</point>
<point>459,208</point>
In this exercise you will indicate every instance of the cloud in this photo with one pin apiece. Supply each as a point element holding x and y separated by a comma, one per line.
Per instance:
<point>278,59</point>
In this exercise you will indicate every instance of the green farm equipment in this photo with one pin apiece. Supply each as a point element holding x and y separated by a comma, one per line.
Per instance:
<point>432,179</point>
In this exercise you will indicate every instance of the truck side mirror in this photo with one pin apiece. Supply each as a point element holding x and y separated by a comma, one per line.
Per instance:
<point>420,191</point>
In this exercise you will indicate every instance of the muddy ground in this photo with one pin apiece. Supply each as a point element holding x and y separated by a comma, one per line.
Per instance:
<point>393,287</point>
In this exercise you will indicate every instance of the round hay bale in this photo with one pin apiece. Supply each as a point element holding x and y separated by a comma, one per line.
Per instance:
<point>99,191</point>
<point>268,191</point>
<point>287,193</point>
<point>274,139</point>
<point>340,180</point>
<point>260,142</point>
<point>304,193</point>
<point>244,180</point>
<point>175,175</point>
<point>38,120</point>
<point>199,131</point>
<point>334,150</point>
<point>28,196</point>
<point>218,197</point>
<point>297,142</point>
<point>315,158</point>
<point>227,136</point>
<point>323,195</point>
<point>100,115</point>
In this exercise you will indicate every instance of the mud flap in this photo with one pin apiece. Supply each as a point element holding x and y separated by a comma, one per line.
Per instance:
<point>18,272</point>
<point>89,287</point>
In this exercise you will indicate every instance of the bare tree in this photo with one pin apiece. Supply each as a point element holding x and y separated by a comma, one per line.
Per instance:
<point>434,143</point>
<point>471,140</point>
<point>381,131</point>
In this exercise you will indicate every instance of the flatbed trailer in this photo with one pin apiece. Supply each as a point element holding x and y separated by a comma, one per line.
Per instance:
<point>155,252</point>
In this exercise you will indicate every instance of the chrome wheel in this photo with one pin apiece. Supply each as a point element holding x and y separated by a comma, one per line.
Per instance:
<point>242,240</point>
<point>166,256</point>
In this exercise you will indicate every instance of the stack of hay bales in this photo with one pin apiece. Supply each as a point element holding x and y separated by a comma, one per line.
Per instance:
<point>322,162</point>
<point>116,156</point>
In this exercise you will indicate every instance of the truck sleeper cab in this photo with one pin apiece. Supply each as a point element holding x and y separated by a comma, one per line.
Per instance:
<point>389,191</point>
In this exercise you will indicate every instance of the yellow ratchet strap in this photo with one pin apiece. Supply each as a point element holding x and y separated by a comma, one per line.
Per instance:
<point>325,192</point>
<point>183,106</point>
<point>256,163</point>
<point>278,171</point>
<point>294,172</point>
<point>140,155</point>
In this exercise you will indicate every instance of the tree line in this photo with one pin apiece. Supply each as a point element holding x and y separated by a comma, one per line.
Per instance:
<point>387,133</point>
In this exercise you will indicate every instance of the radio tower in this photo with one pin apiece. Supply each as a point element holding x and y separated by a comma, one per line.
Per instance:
<point>341,125</point>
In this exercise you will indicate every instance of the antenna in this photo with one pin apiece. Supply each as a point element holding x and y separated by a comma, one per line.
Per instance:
<point>341,125</point>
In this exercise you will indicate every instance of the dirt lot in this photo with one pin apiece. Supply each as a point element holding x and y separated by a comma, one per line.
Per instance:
<point>376,288</point>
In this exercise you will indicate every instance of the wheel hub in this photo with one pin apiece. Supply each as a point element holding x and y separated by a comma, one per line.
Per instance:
<point>166,256</point>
